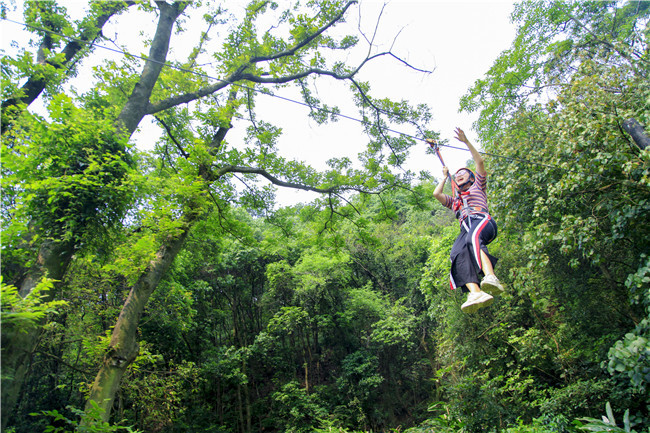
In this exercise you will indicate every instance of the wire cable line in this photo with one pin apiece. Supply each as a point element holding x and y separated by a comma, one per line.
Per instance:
<point>290,100</point>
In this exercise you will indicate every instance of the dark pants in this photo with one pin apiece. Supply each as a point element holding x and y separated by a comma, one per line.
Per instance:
<point>466,261</point>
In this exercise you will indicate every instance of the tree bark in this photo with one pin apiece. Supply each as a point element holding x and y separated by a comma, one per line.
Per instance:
<point>138,103</point>
<point>635,129</point>
<point>18,347</point>
<point>124,347</point>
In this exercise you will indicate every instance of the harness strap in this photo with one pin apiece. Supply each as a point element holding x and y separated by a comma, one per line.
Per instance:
<point>459,195</point>
<point>466,222</point>
<point>472,210</point>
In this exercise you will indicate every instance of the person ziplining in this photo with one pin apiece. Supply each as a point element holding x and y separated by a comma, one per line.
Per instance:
<point>469,254</point>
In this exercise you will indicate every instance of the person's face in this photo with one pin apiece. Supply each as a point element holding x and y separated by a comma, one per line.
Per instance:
<point>461,177</point>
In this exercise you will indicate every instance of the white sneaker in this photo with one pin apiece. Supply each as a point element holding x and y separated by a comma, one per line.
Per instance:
<point>492,285</point>
<point>476,301</point>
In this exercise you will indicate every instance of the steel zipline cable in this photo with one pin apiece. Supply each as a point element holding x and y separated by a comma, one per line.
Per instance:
<point>284,98</point>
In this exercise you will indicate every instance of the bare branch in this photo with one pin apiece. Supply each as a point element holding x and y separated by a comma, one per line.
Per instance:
<point>171,136</point>
<point>349,203</point>
<point>407,64</point>
<point>331,216</point>
<point>383,205</point>
<point>61,361</point>
<point>222,219</point>
<point>274,180</point>
<point>372,40</point>
<point>333,212</point>
<point>296,76</point>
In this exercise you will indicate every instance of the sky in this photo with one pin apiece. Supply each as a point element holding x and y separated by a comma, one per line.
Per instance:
<point>457,40</point>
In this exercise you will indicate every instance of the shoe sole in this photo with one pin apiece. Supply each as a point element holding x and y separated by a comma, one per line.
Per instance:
<point>492,289</point>
<point>473,308</point>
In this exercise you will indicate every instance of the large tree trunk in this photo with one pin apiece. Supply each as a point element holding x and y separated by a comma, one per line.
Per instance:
<point>124,347</point>
<point>17,347</point>
<point>54,257</point>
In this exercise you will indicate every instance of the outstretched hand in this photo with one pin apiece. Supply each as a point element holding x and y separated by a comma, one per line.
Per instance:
<point>445,172</point>
<point>476,155</point>
<point>460,136</point>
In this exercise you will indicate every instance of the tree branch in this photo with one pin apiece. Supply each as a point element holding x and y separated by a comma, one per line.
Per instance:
<point>626,56</point>
<point>298,75</point>
<point>71,367</point>
<point>636,131</point>
<point>188,97</point>
<point>171,136</point>
<point>204,37</point>
<point>12,107</point>
<point>238,74</point>
<point>291,51</point>
<point>274,180</point>
<point>137,105</point>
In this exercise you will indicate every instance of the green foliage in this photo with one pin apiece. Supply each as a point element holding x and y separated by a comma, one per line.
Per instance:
<point>540,426</point>
<point>639,283</point>
<point>20,314</point>
<point>157,390</point>
<point>441,424</point>
<point>358,385</point>
<point>631,356</point>
<point>552,36</point>
<point>607,423</point>
<point>337,315</point>
<point>570,198</point>
<point>74,185</point>
<point>297,411</point>
<point>84,422</point>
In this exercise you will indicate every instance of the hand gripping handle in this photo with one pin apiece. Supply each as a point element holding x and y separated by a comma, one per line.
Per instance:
<point>436,148</point>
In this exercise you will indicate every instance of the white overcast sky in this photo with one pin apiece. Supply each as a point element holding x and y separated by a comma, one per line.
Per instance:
<point>458,40</point>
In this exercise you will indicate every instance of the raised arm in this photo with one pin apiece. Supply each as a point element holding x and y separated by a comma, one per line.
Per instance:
<point>437,193</point>
<point>478,159</point>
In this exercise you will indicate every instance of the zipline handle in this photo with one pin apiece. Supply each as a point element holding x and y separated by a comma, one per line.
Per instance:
<point>436,148</point>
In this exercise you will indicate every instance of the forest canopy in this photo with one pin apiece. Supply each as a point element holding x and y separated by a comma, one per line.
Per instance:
<point>161,288</point>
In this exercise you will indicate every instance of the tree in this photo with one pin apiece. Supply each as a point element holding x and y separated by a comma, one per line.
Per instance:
<point>182,98</point>
<point>56,250</point>
<point>570,186</point>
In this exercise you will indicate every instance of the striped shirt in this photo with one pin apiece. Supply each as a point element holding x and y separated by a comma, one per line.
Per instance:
<point>475,198</point>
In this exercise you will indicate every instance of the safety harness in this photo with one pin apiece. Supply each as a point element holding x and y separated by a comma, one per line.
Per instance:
<point>460,206</point>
